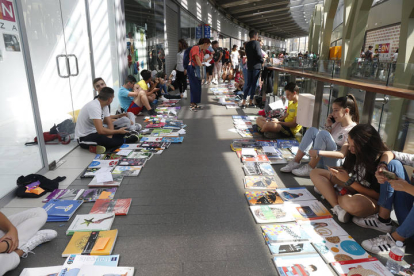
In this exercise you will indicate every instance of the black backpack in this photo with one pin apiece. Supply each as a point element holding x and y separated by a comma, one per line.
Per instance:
<point>67,126</point>
<point>45,183</point>
<point>186,58</point>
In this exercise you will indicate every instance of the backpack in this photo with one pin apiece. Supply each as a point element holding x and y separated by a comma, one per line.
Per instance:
<point>186,58</point>
<point>67,126</point>
<point>46,184</point>
<point>227,55</point>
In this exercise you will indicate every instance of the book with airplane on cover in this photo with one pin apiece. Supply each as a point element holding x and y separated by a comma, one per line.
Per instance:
<point>263,197</point>
<point>301,264</point>
<point>284,232</point>
<point>61,210</point>
<point>91,243</point>
<point>271,213</point>
<point>70,194</point>
<point>368,266</point>
<point>73,263</point>
<point>303,210</point>
<point>116,182</point>
<point>91,222</point>
<point>118,206</point>
<point>260,182</point>
<point>295,194</point>
<point>91,195</point>
<point>105,271</point>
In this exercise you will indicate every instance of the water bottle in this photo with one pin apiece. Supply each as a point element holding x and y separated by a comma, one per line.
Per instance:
<point>396,255</point>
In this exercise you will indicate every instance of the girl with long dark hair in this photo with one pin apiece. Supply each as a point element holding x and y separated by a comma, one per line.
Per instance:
<point>181,77</point>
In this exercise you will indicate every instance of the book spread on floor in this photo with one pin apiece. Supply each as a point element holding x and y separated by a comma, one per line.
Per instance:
<point>302,264</point>
<point>116,182</point>
<point>361,267</point>
<point>90,172</point>
<point>284,232</point>
<point>118,206</point>
<point>295,194</point>
<point>140,154</point>
<point>70,194</point>
<point>103,163</point>
<point>263,197</point>
<point>61,210</point>
<point>127,170</point>
<point>130,146</point>
<point>107,156</point>
<point>271,213</point>
<point>173,140</point>
<point>91,195</point>
<point>106,271</point>
<point>302,210</point>
<point>259,182</point>
<point>132,162</point>
<point>258,158</point>
<point>73,263</point>
<point>42,271</point>
<point>91,222</point>
<point>160,131</point>
<point>151,139</point>
<point>284,248</point>
<point>340,248</point>
<point>287,143</point>
<point>319,228</point>
<point>91,243</point>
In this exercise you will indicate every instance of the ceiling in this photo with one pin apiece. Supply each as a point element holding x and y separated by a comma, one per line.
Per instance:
<point>281,18</point>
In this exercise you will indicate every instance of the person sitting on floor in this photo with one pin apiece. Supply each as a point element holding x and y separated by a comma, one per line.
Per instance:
<point>90,132</point>
<point>134,101</point>
<point>238,81</point>
<point>164,88</point>
<point>356,176</point>
<point>20,234</point>
<point>330,146</point>
<point>149,86</point>
<point>397,194</point>
<point>126,119</point>
<point>285,126</point>
<point>228,73</point>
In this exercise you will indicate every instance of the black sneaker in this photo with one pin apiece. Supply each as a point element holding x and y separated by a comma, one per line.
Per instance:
<point>152,112</point>
<point>131,139</point>
<point>251,105</point>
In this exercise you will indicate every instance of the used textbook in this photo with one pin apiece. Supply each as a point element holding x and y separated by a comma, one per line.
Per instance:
<point>303,210</point>
<point>369,266</point>
<point>302,264</point>
<point>284,232</point>
<point>106,271</point>
<point>91,222</point>
<point>132,161</point>
<point>73,263</point>
<point>127,170</point>
<point>91,243</point>
<point>116,182</point>
<point>263,197</point>
<point>61,210</point>
<point>319,228</point>
<point>259,182</point>
<point>103,163</point>
<point>91,195</point>
<point>71,194</point>
<point>271,213</point>
<point>118,206</point>
<point>295,194</point>
<point>291,248</point>
<point>42,271</point>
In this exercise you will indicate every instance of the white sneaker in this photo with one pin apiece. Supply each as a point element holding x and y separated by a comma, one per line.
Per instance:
<point>380,245</point>
<point>303,171</point>
<point>373,223</point>
<point>185,94</point>
<point>41,236</point>
<point>291,165</point>
<point>343,216</point>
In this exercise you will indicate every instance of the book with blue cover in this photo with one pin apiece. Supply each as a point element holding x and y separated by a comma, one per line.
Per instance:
<point>173,140</point>
<point>97,163</point>
<point>61,210</point>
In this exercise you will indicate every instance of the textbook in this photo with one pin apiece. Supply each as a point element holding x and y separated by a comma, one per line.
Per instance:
<point>238,144</point>
<point>285,232</point>
<point>301,264</point>
<point>71,194</point>
<point>271,213</point>
<point>106,271</point>
<point>42,271</point>
<point>61,210</point>
<point>259,182</point>
<point>295,194</point>
<point>287,143</point>
<point>291,248</point>
<point>91,195</point>
<point>140,154</point>
<point>107,156</point>
<point>91,243</point>
<point>117,180</point>
<point>302,210</point>
<point>91,222</point>
<point>127,170</point>
<point>151,125</point>
<point>258,158</point>
<point>161,145</point>
<point>368,266</point>
<point>103,163</point>
<point>132,162</point>
<point>173,140</point>
<point>89,172</point>
<point>258,168</point>
<point>74,263</point>
<point>130,146</point>
<point>118,206</point>
<point>151,139</point>
<point>263,197</point>
<point>340,248</point>
<point>159,132</point>
<point>321,228</point>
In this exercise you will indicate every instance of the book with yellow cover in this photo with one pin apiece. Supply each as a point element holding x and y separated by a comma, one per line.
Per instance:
<point>91,243</point>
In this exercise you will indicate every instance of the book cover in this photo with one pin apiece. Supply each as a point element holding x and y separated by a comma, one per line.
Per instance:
<point>132,162</point>
<point>70,194</point>
<point>266,169</point>
<point>173,140</point>
<point>61,210</point>
<point>151,125</point>
<point>361,267</point>
<point>140,154</point>
<point>159,131</point>
<point>258,158</point>
<point>73,263</point>
<point>103,163</point>
<point>160,145</point>
<point>151,139</point>
<point>271,213</point>
<point>127,170</point>
<point>118,206</point>
<point>248,152</point>
<point>91,195</point>
<point>263,197</point>
<point>106,271</point>
<point>91,222</point>
<point>295,194</point>
<point>291,248</point>
<point>91,243</point>
<point>259,182</point>
<point>116,182</point>
<point>302,264</point>
<point>321,228</point>
<point>89,172</point>
<point>251,168</point>
<point>304,210</point>
<point>285,232</point>
<point>42,271</point>
<point>130,146</point>
<point>340,248</point>
<point>287,143</point>
<point>107,156</point>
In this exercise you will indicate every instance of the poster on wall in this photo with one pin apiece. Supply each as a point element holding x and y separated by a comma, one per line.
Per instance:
<point>385,39</point>
<point>198,31</point>
<point>207,30</point>
<point>384,50</point>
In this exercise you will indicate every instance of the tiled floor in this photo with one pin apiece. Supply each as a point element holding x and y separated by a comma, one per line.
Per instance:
<point>189,215</point>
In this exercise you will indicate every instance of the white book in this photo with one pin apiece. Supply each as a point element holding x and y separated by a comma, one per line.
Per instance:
<point>42,271</point>
<point>268,149</point>
<point>91,222</point>
<point>370,266</point>
<point>117,179</point>
<point>248,152</point>
<point>295,194</point>
<point>74,263</point>
<point>302,264</point>
<point>321,228</point>
<point>271,213</point>
<point>105,271</point>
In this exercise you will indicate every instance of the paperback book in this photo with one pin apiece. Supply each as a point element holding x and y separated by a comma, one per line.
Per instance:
<point>295,194</point>
<point>151,139</point>
<point>259,182</point>
<point>42,271</point>
<point>287,143</point>
<point>132,162</point>
<point>302,264</point>
<point>116,182</point>
<point>271,213</point>
<point>103,163</point>
<point>286,232</point>
<point>70,194</point>
<point>61,210</point>
<point>91,243</point>
<point>118,206</point>
<point>258,158</point>
<point>161,145</point>
<point>106,271</point>
<point>90,172</point>
<point>91,222</point>
<point>127,170</point>
<point>322,228</point>
<point>140,154</point>
<point>263,197</point>
<point>303,210</point>
<point>130,146</point>
<point>160,132</point>
<point>291,248</point>
<point>369,267</point>
<point>107,156</point>
<point>91,195</point>
<point>159,125</point>
<point>173,140</point>
<point>73,263</point>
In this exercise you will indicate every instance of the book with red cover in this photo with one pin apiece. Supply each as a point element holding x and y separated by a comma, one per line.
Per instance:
<point>118,206</point>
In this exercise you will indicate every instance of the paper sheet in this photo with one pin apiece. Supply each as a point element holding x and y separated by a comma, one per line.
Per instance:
<point>104,177</point>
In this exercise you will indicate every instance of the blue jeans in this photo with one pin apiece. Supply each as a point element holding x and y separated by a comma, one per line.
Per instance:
<point>321,140</point>
<point>402,201</point>
<point>163,87</point>
<point>245,77</point>
<point>250,88</point>
<point>195,85</point>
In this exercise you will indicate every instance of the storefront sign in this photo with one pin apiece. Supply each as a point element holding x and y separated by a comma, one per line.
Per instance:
<point>7,16</point>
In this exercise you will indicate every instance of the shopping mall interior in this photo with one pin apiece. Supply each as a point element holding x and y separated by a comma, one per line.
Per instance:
<point>189,214</point>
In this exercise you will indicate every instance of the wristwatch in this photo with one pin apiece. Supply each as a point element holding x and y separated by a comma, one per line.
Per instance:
<point>350,181</point>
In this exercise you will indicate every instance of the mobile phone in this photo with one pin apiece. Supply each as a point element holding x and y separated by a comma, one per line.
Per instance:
<point>389,175</point>
<point>333,120</point>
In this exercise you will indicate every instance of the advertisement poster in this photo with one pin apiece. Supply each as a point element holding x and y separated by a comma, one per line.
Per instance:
<point>384,50</point>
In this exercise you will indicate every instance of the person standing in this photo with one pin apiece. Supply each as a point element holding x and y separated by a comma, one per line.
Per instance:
<point>254,64</point>
<point>181,72</point>
<point>234,57</point>
<point>217,57</point>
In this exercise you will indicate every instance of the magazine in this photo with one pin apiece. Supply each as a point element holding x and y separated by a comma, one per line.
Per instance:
<point>151,139</point>
<point>116,182</point>
<point>130,146</point>
<point>303,210</point>
<point>263,197</point>
<point>127,170</point>
<point>140,154</point>
<point>91,195</point>
<point>42,271</point>
<point>291,248</point>
<point>107,156</point>
<point>103,163</point>
<point>132,162</point>
<point>89,172</point>
<point>285,232</point>
<point>302,264</point>
<point>295,194</point>
<point>70,194</point>
<point>73,263</point>
<point>91,222</point>
<point>106,271</point>
<point>173,140</point>
<point>271,213</point>
<point>61,210</point>
<point>319,228</point>
<point>91,243</point>
<point>259,182</point>
<point>118,206</point>
<point>369,267</point>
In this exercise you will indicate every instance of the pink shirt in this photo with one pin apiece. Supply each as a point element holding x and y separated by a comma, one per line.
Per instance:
<point>340,134</point>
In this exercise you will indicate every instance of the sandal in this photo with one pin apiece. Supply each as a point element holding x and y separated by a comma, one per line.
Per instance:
<point>197,106</point>
<point>193,108</point>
